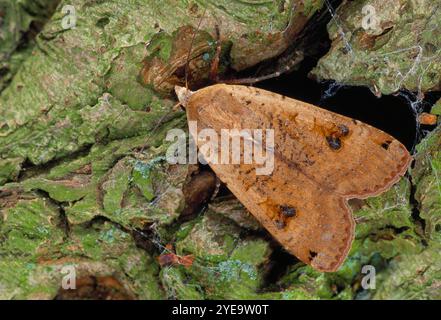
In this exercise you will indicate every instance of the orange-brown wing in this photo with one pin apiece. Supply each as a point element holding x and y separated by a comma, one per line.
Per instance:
<point>321,160</point>
<point>314,225</point>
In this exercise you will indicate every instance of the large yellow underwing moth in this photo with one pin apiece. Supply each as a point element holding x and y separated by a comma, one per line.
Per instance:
<point>322,160</point>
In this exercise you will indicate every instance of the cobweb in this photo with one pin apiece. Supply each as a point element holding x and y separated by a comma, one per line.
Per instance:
<point>172,284</point>
<point>338,22</point>
<point>332,90</point>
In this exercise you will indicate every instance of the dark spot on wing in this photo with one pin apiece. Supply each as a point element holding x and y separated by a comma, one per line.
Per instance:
<point>333,142</point>
<point>344,131</point>
<point>386,145</point>
<point>288,211</point>
<point>280,224</point>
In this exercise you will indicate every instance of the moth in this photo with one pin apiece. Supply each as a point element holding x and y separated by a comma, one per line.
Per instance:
<point>321,160</point>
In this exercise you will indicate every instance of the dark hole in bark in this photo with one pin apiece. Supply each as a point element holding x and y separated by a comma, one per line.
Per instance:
<point>279,263</point>
<point>4,71</point>
<point>386,31</point>
<point>102,22</point>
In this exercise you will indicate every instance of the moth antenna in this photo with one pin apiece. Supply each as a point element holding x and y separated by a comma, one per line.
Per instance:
<point>215,64</point>
<point>182,93</point>
<point>187,62</point>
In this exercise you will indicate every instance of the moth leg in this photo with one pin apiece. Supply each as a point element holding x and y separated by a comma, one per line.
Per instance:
<point>215,63</point>
<point>217,188</point>
<point>178,107</point>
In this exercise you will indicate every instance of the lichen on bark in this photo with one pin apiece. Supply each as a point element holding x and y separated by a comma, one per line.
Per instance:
<point>398,48</point>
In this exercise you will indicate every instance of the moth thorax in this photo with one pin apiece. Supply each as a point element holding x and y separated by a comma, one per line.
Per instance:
<point>183,95</point>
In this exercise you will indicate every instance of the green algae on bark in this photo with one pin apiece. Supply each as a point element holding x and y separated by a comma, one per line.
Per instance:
<point>426,176</point>
<point>436,109</point>
<point>98,184</point>
<point>248,34</point>
<point>226,266</point>
<point>90,133</point>
<point>35,249</point>
<point>101,181</point>
<point>19,23</point>
<point>177,285</point>
<point>401,52</point>
<point>9,169</point>
<point>413,277</point>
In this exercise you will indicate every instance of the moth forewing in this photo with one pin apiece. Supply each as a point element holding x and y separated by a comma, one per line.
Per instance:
<point>321,159</point>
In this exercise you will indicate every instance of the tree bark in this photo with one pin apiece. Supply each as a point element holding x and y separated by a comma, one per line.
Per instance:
<point>84,113</point>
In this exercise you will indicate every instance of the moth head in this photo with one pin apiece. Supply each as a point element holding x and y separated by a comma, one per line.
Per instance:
<point>183,95</point>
